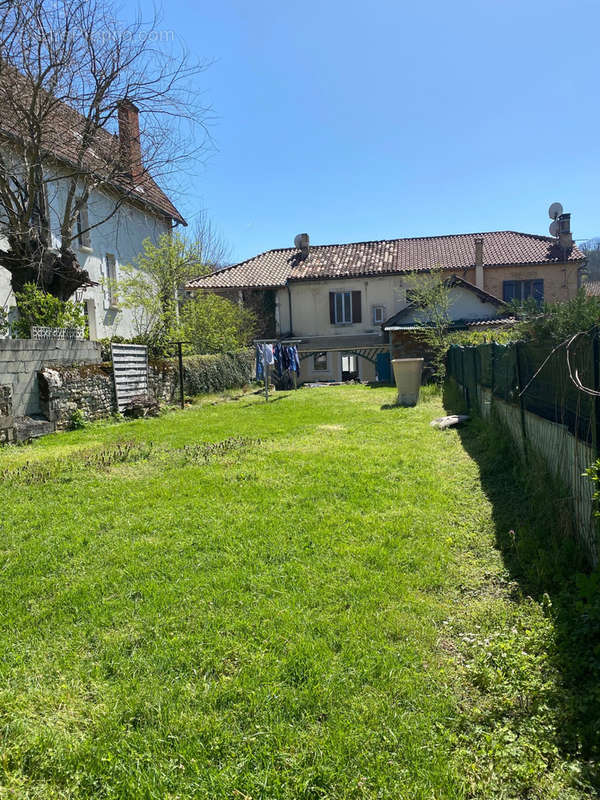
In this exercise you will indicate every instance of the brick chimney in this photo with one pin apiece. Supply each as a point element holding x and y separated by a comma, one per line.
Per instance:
<point>479,263</point>
<point>129,140</point>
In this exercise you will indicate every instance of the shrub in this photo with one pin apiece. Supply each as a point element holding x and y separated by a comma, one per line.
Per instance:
<point>212,373</point>
<point>213,324</point>
<point>215,373</point>
<point>77,419</point>
<point>37,307</point>
<point>557,321</point>
<point>156,349</point>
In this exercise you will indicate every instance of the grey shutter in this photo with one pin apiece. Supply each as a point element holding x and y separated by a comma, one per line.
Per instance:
<point>85,240</point>
<point>356,307</point>
<point>332,308</point>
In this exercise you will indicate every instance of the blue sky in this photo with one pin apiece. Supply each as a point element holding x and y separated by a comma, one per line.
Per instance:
<point>355,121</point>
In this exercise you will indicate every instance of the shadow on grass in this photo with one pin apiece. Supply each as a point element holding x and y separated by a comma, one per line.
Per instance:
<point>535,534</point>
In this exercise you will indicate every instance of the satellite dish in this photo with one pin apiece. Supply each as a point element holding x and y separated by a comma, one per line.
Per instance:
<point>554,228</point>
<point>301,241</point>
<point>555,210</point>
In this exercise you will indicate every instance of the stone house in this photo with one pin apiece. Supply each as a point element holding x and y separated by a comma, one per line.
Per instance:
<point>134,207</point>
<point>335,298</point>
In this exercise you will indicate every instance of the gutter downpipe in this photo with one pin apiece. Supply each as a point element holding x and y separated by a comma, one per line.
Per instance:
<point>290,307</point>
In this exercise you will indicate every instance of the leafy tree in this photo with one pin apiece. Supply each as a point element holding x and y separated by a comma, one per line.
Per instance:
<point>430,293</point>
<point>37,307</point>
<point>214,324</point>
<point>591,248</point>
<point>151,286</point>
<point>554,322</point>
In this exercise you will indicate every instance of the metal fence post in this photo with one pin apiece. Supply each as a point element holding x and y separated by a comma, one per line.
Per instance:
<point>596,399</point>
<point>492,370</point>
<point>476,376</point>
<point>520,384</point>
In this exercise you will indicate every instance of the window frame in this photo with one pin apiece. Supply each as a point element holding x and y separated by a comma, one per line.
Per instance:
<point>345,305</point>
<point>111,279</point>
<point>523,289</point>
<point>375,310</point>
<point>82,227</point>
<point>324,368</point>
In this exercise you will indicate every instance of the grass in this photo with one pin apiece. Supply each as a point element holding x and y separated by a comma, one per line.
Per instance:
<point>316,607</point>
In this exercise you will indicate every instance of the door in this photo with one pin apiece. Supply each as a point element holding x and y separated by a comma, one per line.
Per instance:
<point>383,368</point>
<point>349,368</point>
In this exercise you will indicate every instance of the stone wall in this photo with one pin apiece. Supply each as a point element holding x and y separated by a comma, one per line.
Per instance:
<point>7,429</point>
<point>63,390</point>
<point>22,359</point>
<point>90,388</point>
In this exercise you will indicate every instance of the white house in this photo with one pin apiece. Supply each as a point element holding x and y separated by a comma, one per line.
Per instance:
<point>142,210</point>
<point>336,298</point>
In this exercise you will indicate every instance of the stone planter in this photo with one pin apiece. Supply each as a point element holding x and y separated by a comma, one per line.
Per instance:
<point>407,374</point>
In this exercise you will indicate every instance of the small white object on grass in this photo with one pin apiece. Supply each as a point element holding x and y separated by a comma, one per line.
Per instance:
<point>447,422</point>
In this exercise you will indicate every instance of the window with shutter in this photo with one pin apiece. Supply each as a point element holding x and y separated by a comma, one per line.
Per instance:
<point>111,280</point>
<point>508,291</point>
<point>341,307</point>
<point>82,226</point>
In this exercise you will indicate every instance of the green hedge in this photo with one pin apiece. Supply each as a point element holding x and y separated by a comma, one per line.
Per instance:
<point>212,373</point>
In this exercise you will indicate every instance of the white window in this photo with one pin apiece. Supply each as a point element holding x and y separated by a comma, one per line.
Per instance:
<point>343,307</point>
<point>111,280</point>
<point>82,225</point>
<point>378,315</point>
<point>320,362</point>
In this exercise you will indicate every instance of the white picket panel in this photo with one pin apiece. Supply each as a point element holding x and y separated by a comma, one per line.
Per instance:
<point>130,371</point>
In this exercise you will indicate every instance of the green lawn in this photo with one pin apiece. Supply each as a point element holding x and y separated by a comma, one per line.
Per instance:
<point>314,609</point>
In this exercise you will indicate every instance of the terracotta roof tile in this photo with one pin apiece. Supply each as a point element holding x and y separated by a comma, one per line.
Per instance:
<point>390,256</point>
<point>62,136</point>
<point>592,288</point>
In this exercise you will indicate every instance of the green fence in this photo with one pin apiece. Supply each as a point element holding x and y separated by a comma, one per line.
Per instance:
<point>509,373</point>
<point>539,393</point>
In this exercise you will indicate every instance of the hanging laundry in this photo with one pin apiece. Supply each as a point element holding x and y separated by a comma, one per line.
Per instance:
<point>294,359</point>
<point>278,355</point>
<point>268,357</point>
<point>259,363</point>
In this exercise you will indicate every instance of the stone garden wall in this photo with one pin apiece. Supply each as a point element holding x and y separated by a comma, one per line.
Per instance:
<point>65,389</point>
<point>22,359</point>
<point>90,387</point>
<point>7,429</point>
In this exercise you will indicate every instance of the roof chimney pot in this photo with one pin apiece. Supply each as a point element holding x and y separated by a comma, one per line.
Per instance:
<point>479,263</point>
<point>129,140</point>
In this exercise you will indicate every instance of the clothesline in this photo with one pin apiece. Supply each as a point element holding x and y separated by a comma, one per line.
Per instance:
<point>280,355</point>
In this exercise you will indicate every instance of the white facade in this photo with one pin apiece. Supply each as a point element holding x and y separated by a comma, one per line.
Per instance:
<point>325,336</point>
<point>310,305</point>
<point>463,304</point>
<point>103,251</point>
<point>380,298</point>
<point>116,241</point>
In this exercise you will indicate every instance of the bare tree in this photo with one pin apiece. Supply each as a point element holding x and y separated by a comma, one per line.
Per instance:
<point>71,75</point>
<point>214,251</point>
